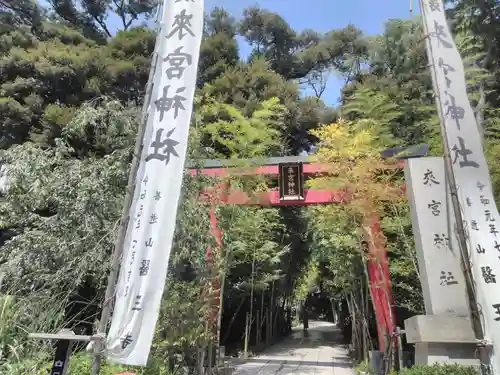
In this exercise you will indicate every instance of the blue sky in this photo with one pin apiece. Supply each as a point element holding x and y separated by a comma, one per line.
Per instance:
<point>323,16</point>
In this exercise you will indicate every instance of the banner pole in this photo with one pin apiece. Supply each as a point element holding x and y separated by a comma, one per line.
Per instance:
<point>124,219</point>
<point>483,350</point>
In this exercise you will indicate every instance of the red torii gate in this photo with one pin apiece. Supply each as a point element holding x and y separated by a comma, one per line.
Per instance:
<point>378,267</point>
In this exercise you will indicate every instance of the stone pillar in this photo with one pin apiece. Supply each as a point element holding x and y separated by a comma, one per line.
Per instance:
<point>444,334</point>
<point>443,338</point>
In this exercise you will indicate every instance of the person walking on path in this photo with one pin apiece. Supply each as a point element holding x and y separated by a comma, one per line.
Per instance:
<point>305,318</point>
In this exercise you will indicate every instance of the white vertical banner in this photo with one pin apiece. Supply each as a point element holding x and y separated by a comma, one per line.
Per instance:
<point>438,254</point>
<point>471,172</point>
<point>153,212</point>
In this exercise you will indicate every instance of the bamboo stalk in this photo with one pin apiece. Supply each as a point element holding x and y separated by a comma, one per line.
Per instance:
<point>221,301</point>
<point>233,318</point>
<point>268,326</point>
<point>271,311</point>
<point>247,333</point>
<point>257,333</point>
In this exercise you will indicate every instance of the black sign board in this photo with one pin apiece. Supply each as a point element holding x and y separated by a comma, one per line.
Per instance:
<point>63,351</point>
<point>291,181</point>
<point>64,341</point>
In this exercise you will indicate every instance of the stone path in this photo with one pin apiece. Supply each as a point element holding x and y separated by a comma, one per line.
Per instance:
<point>318,352</point>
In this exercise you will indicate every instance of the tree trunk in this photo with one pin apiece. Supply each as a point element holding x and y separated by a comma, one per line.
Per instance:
<point>247,333</point>
<point>250,319</point>
<point>257,331</point>
<point>233,318</point>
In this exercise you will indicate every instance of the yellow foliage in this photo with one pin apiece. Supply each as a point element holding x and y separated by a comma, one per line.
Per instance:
<point>308,279</point>
<point>242,136</point>
<point>352,153</point>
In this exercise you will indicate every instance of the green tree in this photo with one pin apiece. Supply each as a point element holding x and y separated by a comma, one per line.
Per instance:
<point>294,55</point>
<point>398,71</point>
<point>90,16</point>
<point>219,49</point>
<point>46,79</point>
<point>233,135</point>
<point>15,13</point>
